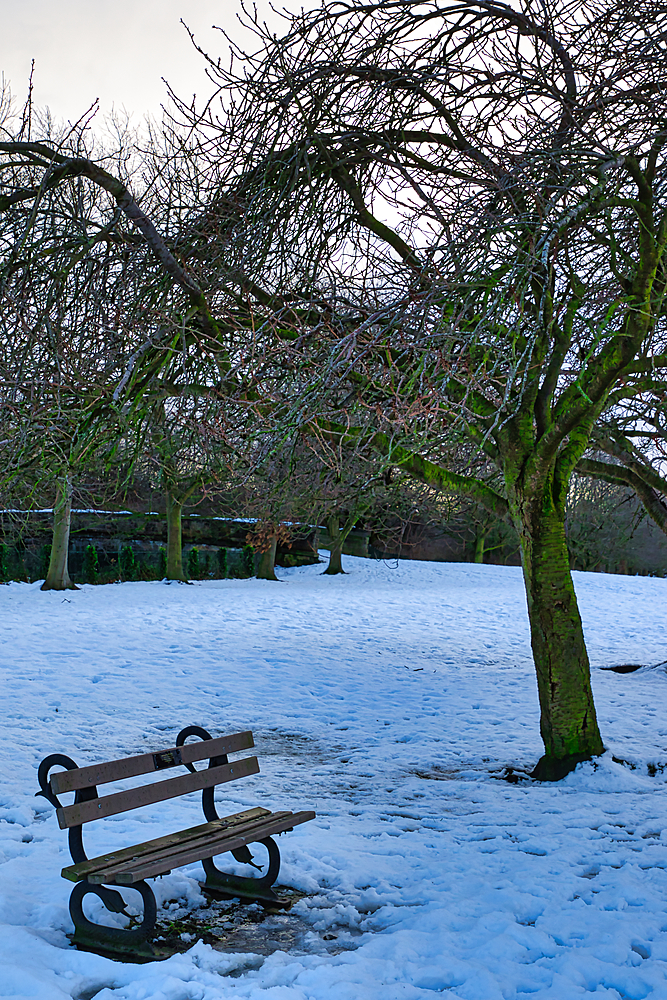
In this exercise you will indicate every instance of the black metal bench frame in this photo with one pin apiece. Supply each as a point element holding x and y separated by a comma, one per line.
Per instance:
<point>130,867</point>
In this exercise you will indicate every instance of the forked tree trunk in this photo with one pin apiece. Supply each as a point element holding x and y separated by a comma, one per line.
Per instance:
<point>336,551</point>
<point>174,540</point>
<point>335,564</point>
<point>57,577</point>
<point>568,722</point>
<point>267,561</point>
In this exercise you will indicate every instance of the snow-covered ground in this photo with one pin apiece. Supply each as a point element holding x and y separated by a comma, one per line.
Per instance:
<point>390,700</point>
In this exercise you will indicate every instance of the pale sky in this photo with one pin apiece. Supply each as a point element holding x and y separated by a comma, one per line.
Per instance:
<point>114,50</point>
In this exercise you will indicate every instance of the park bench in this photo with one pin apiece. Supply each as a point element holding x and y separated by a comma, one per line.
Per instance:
<point>131,866</point>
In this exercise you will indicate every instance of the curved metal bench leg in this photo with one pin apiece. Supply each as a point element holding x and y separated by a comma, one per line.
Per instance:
<point>224,886</point>
<point>120,941</point>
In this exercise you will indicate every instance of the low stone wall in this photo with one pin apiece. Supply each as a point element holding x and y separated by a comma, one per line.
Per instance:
<point>133,546</point>
<point>356,543</point>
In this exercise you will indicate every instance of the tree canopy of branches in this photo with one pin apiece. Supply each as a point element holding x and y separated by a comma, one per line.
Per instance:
<point>461,204</point>
<point>100,321</point>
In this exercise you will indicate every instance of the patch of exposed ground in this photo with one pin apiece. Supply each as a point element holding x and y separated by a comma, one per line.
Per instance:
<point>232,926</point>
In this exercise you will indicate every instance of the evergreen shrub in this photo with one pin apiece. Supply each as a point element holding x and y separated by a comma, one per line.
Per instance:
<point>126,563</point>
<point>90,568</point>
<point>44,560</point>
<point>193,564</point>
<point>248,560</point>
<point>222,564</point>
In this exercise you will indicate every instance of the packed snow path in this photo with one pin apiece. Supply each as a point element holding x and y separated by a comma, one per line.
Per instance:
<point>390,700</point>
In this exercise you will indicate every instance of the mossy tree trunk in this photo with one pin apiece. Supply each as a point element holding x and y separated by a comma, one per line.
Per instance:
<point>267,561</point>
<point>568,722</point>
<point>175,569</point>
<point>338,535</point>
<point>335,565</point>
<point>57,577</point>
<point>480,539</point>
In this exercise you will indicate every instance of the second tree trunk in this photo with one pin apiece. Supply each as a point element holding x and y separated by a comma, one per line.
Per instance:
<point>174,540</point>
<point>57,577</point>
<point>267,561</point>
<point>336,551</point>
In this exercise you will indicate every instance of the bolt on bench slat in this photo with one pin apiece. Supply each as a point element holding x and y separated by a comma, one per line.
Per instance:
<point>134,798</point>
<point>130,767</point>
<point>227,823</point>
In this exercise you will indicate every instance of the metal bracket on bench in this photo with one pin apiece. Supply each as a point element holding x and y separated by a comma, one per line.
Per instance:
<point>120,941</point>
<point>222,885</point>
<point>88,935</point>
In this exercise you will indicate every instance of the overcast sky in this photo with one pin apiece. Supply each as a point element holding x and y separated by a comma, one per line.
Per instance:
<point>114,50</point>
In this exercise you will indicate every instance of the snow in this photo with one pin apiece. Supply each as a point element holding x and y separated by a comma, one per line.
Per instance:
<point>391,700</point>
<point>77,510</point>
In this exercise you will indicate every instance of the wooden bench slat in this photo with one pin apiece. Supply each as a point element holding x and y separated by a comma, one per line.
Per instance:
<point>77,872</point>
<point>168,857</point>
<point>134,798</point>
<point>196,836</point>
<point>151,868</point>
<point>130,767</point>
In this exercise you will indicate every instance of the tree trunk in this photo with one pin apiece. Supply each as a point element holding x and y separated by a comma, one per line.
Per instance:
<point>174,542</point>
<point>267,561</point>
<point>57,577</point>
<point>568,722</point>
<point>336,551</point>
<point>480,538</point>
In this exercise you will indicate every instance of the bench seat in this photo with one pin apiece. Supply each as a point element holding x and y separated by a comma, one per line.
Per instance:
<point>157,857</point>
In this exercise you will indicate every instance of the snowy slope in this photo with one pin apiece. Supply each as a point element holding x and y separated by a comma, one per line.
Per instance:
<point>390,700</point>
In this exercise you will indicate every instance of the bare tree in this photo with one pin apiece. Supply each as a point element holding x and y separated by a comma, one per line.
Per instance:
<point>464,203</point>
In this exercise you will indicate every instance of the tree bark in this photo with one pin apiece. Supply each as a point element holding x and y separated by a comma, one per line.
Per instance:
<point>480,538</point>
<point>57,577</point>
<point>174,541</point>
<point>267,561</point>
<point>336,551</point>
<point>568,722</point>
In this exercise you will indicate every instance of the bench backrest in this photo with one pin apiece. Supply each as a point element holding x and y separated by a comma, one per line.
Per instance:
<point>93,806</point>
